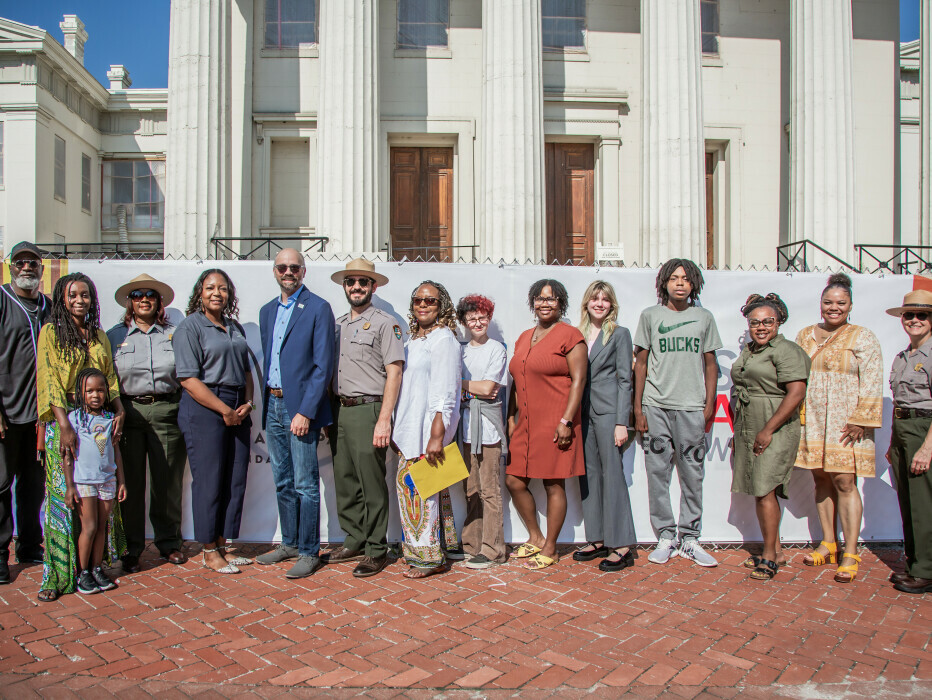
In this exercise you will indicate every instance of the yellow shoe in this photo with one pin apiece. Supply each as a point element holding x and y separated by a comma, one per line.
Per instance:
<point>815,558</point>
<point>848,572</point>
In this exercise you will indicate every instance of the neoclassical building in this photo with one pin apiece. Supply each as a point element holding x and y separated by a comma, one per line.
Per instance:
<point>516,130</point>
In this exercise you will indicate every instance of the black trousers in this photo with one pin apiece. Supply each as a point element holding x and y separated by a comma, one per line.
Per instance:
<point>219,459</point>
<point>20,470</point>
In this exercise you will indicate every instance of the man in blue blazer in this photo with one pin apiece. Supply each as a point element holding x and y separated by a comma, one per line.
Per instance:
<point>298,345</point>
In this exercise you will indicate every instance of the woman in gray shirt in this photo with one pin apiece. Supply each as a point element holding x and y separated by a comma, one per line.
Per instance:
<point>150,392</point>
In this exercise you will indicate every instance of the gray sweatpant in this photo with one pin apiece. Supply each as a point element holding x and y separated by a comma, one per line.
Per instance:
<point>675,437</point>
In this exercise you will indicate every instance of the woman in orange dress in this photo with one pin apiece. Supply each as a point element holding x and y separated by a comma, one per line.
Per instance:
<point>549,374</point>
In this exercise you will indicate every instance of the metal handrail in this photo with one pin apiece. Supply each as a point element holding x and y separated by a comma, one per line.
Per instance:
<point>102,250</point>
<point>799,260</point>
<point>905,259</point>
<point>222,245</point>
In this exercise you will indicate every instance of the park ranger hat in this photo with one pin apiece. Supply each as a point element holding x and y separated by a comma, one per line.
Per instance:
<point>359,266</point>
<point>917,300</point>
<point>144,281</point>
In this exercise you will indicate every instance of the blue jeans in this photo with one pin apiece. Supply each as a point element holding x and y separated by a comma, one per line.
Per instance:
<point>297,482</point>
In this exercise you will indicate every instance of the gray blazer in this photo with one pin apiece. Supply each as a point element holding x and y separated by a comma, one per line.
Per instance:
<point>608,385</point>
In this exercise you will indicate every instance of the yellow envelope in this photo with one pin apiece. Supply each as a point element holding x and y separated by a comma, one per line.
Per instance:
<point>431,479</point>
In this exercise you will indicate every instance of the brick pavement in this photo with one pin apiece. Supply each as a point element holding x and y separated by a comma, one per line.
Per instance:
<point>569,630</point>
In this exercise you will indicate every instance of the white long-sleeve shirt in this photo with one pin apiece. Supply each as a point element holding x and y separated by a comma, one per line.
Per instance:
<point>430,385</point>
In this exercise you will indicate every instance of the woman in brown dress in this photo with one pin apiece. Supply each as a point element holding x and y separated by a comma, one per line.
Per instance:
<point>549,372</point>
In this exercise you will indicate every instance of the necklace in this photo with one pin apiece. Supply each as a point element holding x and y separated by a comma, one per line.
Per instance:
<point>424,332</point>
<point>539,333</point>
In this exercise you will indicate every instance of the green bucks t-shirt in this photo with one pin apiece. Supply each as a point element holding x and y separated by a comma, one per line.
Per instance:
<point>676,341</point>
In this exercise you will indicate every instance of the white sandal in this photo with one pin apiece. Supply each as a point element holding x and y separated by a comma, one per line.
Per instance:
<point>228,569</point>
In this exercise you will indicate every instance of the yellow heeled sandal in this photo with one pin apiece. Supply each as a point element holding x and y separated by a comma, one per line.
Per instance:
<point>815,558</point>
<point>848,572</point>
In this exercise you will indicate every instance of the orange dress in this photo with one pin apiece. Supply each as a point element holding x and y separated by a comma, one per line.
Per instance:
<point>542,386</point>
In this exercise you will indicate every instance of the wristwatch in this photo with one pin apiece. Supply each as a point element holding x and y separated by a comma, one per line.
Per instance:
<point>252,405</point>
<point>567,423</point>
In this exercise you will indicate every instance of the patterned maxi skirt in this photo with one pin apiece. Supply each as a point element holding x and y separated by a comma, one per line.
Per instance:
<point>61,527</point>
<point>421,521</point>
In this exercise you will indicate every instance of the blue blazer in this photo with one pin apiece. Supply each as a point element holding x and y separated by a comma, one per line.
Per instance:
<point>306,357</point>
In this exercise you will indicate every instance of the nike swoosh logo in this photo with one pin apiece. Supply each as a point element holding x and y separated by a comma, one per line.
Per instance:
<point>666,329</point>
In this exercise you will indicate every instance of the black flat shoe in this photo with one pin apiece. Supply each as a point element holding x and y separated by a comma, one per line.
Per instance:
<point>626,560</point>
<point>596,553</point>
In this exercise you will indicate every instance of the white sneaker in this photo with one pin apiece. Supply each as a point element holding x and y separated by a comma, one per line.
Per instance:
<point>663,552</point>
<point>691,549</point>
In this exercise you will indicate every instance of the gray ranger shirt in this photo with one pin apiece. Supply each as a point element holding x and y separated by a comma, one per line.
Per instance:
<point>364,347</point>
<point>144,360</point>
<point>910,378</point>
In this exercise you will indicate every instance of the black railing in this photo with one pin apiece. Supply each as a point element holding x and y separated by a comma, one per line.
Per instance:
<point>431,253</point>
<point>265,247</point>
<point>102,251</point>
<point>798,256</point>
<point>898,259</point>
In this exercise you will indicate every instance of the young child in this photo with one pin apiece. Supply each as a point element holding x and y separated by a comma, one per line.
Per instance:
<point>94,477</point>
<point>675,377</point>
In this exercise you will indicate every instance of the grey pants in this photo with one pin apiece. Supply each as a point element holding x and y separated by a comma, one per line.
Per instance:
<point>605,501</point>
<point>675,437</point>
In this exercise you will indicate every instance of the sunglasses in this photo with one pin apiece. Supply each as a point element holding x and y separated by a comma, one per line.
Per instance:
<point>138,294</point>
<point>424,301</point>
<point>294,269</point>
<point>353,281</point>
<point>918,315</point>
<point>20,264</point>
<point>765,322</point>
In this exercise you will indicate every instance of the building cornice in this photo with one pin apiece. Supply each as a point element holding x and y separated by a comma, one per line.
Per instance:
<point>587,95</point>
<point>140,100</point>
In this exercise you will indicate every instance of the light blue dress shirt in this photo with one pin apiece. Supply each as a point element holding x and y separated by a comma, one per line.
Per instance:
<point>282,317</point>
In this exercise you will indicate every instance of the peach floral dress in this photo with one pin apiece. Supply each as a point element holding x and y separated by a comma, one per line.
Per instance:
<point>845,386</point>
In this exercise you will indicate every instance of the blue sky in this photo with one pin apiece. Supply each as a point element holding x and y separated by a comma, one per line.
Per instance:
<point>136,33</point>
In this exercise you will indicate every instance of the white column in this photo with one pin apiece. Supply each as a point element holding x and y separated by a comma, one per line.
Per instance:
<point>513,219</point>
<point>672,146</point>
<point>198,184</point>
<point>348,127</point>
<point>822,127</point>
<point>925,124</point>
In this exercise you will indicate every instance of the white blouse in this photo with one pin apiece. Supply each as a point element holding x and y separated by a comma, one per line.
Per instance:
<point>430,385</point>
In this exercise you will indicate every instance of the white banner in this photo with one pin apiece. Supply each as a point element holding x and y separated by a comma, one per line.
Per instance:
<point>727,517</point>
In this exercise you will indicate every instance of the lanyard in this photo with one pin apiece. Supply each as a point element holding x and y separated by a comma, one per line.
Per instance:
<point>34,330</point>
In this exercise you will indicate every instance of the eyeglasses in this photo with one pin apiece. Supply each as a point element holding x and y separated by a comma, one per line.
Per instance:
<point>294,269</point>
<point>138,294</point>
<point>918,315</point>
<point>477,321</point>
<point>363,282</point>
<point>424,301</point>
<point>765,322</point>
<point>28,262</point>
<point>545,301</point>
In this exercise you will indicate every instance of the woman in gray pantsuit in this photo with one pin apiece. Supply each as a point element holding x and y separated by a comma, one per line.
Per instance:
<point>606,409</point>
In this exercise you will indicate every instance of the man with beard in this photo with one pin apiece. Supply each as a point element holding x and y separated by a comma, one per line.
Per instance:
<point>297,344</point>
<point>366,382</point>
<point>23,310</point>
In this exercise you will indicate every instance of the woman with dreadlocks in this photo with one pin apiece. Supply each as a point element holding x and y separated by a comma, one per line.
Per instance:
<point>426,418</point>
<point>71,341</point>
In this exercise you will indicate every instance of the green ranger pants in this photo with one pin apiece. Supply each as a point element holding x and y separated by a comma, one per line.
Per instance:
<point>151,433</point>
<point>915,494</point>
<point>359,478</point>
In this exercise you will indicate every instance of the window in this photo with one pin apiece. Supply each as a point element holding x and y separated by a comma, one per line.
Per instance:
<point>135,185</point>
<point>290,23</point>
<point>86,182</point>
<point>423,23</point>
<point>1,154</point>
<point>564,24</point>
<point>60,167</point>
<point>710,31</point>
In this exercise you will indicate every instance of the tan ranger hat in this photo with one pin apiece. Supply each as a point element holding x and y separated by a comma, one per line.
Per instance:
<point>359,266</point>
<point>144,281</point>
<point>917,300</point>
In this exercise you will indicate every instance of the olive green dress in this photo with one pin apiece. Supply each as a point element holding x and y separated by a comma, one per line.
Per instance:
<point>760,377</point>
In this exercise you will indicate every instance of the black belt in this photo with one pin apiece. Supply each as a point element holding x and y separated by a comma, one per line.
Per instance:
<point>146,399</point>
<point>347,401</point>
<point>912,413</point>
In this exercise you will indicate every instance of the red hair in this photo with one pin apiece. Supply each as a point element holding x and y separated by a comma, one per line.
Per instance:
<point>474,302</point>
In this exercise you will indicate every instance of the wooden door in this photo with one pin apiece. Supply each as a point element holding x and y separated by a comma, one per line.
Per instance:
<point>570,202</point>
<point>709,210</point>
<point>422,203</point>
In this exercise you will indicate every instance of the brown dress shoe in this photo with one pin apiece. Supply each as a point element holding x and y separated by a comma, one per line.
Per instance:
<point>914,585</point>
<point>176,556</point>
<point>370,566</point>
<point>899,578</point>
<point>342,554</point>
